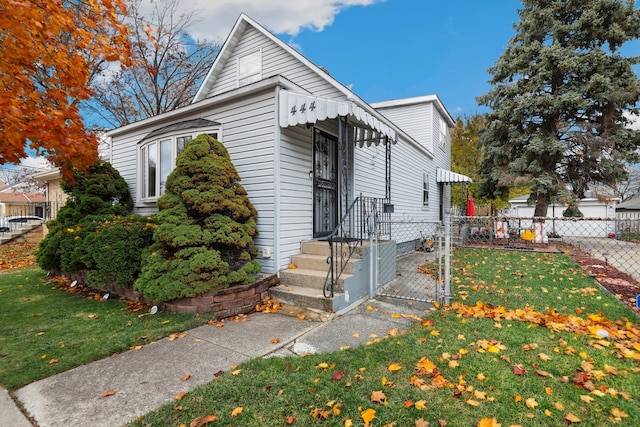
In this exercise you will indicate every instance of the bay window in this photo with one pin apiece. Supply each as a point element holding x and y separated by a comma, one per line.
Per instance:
<point>158,152</point>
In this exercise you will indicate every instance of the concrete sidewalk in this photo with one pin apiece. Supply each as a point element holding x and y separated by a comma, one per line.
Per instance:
<point>140,381</point>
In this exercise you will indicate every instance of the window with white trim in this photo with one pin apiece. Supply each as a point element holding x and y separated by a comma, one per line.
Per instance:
<point>444,131</point>
<point>158,159</point>
<point>250,68</point>
<point>425,189</point>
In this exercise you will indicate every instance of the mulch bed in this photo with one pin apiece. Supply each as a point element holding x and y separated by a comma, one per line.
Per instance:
<point>620,284</point>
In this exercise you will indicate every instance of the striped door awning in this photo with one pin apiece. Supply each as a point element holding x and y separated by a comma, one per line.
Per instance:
<point>299,109</point>
<point>448,177</point>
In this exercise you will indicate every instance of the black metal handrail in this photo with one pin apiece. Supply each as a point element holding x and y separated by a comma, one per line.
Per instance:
<point>349,231</point>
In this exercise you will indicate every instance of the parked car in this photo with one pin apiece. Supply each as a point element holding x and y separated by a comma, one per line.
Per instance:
<point>9,222</point>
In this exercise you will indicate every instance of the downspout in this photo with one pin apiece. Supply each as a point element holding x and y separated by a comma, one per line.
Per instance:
<point>276,184</point>
<point>387,147</point>
<point>47,212</point>
<point>343,173</point>
<point>372,256</point>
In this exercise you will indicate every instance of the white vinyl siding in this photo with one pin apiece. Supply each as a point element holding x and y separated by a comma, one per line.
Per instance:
<point>275,61</point>
<point>416,120</point>
<point>408,164</point>
<point>247,133</point>
<point>274,163</point>
<point>296,191</point>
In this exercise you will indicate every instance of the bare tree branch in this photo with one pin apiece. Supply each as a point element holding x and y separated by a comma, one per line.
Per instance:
<point>169,66</point>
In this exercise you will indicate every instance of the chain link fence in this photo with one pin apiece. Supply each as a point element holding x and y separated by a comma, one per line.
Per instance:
<point>417,264</point>
<point>614,241</point>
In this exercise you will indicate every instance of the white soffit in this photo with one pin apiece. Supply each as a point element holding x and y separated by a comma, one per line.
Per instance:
<point>446,176</point>
<point>299,109</point>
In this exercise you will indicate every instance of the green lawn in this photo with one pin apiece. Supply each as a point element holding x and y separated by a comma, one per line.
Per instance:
<point>520,345</point>
<point>45,330</point>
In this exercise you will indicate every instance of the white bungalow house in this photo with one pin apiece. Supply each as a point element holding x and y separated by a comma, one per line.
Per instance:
<point>306,148</point>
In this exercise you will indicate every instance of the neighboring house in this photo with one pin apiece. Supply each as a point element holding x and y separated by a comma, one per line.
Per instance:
<point>54,196</point>
<point>304,145</point>
<point>629,209</point>
<point>52,180</point>
<point>21,204</point>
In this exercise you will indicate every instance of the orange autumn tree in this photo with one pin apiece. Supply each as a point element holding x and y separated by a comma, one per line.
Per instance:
<point>49,52</point>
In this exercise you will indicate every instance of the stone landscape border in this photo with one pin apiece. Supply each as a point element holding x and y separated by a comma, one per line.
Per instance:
<point>223,302</point>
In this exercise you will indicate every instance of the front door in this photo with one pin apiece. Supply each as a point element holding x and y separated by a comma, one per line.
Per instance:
<point>325,183</point>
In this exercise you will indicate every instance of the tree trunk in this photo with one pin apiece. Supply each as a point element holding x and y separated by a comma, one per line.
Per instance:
<point>542,205</point>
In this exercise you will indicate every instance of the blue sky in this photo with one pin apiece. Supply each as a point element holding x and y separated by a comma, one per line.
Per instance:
<point>388,49</point>
<point>405,48</point>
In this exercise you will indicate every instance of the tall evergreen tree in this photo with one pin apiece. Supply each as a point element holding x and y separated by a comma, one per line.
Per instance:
<point>558,97</point>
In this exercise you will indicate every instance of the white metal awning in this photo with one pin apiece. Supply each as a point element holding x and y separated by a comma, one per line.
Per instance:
<point>448,177</point>
<point>299,109</point>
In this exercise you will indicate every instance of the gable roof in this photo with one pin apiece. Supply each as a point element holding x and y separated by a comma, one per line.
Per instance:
<point>630,204</point>
<point>21,197</point>
<point>353,106</point>
<point>239,28</point>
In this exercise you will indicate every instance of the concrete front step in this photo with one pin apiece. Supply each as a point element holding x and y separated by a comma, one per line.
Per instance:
<point>319,262</point>
<point>312,279</point>
<point>321,247</point>
<point>308,298</point>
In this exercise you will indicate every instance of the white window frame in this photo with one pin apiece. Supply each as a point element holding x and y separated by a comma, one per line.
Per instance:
<point>425,189</point>
<point>249,67</point>
<point>154,146</point>
<point>444,131</point>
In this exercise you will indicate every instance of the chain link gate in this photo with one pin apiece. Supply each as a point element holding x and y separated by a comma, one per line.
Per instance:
<point>417,260</point>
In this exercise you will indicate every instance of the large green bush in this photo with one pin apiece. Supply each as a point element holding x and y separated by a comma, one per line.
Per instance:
<point>93,231</point>
<point>206,225</point>
<point>114,250</point>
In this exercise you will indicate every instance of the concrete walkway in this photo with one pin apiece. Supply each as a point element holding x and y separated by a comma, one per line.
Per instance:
<point>139,381</point>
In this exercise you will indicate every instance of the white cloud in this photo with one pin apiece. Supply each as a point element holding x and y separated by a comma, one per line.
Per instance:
<point>35,162</point>
<point>280,16</point>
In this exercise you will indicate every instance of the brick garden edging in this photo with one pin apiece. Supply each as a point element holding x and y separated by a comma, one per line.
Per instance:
<point>226,302</point>
<point>223,302</point>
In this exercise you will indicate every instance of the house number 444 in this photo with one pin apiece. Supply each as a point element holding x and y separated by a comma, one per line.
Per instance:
<point>303,108</point>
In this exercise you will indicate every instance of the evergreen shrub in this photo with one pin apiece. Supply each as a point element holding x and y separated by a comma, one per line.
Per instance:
<point>114,250</point>
<point>83,236</point>
<point>206,225</point>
